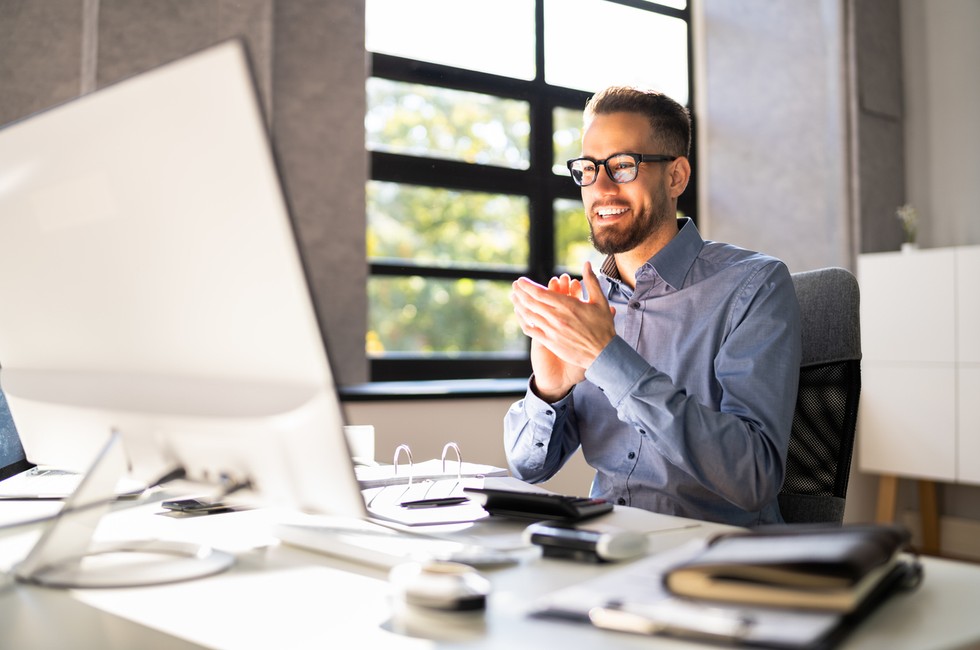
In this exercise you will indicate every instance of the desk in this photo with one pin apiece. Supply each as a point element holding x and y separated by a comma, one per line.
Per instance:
<point>283,597</point>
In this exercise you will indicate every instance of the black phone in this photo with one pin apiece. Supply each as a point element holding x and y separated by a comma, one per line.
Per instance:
<point>197,504</point>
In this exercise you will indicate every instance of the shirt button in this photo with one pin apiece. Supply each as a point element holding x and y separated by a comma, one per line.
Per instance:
<point>548,412</point>
<point>634,305</point>
<point>621,501</point>
<point>539,444</point>
<point>643,432</point>
<point>631,455</point>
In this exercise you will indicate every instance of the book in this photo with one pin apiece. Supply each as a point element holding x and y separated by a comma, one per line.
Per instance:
<point>831,569</point>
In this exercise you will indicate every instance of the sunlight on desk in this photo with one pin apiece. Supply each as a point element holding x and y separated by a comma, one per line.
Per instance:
<point>208,612</point>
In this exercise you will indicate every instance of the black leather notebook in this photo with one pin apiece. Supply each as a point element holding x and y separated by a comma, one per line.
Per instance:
<point>804,567</point>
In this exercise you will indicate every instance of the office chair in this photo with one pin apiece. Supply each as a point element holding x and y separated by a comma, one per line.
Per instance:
<point>822,439</point>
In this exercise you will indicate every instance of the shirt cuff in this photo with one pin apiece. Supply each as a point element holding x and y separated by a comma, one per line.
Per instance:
<point>534,405</point>
<point>617,369</point>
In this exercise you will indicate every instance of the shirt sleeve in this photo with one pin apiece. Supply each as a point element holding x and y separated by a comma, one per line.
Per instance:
<point>737,447</point>
<point>539,437</point>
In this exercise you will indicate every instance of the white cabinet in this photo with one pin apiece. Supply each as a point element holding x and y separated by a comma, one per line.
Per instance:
<point>919,413</point>
<point>968,363</point>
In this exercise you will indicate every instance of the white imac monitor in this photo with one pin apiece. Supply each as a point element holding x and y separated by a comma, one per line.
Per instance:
<point>151,285</point>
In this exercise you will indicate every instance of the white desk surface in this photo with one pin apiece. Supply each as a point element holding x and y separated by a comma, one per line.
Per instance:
<point>279,596</point>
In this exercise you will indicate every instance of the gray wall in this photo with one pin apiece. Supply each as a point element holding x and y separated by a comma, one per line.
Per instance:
<point>309,62</point>
<point>876,109</point>
<point>801,127</point>
<point>941,54</point>
<point>771,109</point>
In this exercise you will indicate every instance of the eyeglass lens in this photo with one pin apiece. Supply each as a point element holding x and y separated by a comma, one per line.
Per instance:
<point>621,169</point>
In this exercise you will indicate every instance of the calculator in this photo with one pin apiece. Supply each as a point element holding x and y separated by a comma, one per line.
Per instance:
<point>537,505</point>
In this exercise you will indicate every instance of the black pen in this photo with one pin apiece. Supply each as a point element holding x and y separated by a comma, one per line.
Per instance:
<point>434,503</point>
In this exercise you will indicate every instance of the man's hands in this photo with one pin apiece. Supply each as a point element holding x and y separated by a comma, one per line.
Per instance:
<point>567,332</point>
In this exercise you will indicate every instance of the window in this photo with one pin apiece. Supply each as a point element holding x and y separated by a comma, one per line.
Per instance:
<point>472,111</point>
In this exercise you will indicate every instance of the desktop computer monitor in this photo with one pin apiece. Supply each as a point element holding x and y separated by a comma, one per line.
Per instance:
<point>151,285</point>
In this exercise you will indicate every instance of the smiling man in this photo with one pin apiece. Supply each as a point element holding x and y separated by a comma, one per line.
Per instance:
<point>675,369</point>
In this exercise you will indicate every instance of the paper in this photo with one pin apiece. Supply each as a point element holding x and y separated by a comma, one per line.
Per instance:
<point>386,502</point>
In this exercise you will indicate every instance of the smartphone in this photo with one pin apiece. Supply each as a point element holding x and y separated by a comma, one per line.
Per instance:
<point>197,504</point>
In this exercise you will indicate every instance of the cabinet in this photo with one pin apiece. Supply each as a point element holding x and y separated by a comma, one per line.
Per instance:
<point>919,413</point>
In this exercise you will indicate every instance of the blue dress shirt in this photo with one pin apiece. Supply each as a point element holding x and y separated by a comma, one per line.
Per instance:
<point>688,411</point>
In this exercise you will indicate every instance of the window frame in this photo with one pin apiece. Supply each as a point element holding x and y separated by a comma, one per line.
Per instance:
<point>538,183</point>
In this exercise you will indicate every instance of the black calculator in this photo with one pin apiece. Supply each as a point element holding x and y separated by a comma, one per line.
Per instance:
<point>537,505</point>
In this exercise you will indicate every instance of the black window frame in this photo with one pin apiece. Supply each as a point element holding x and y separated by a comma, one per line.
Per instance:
<point>538,183</point>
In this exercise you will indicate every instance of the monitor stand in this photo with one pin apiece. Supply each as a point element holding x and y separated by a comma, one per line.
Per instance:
<point>65,556</point>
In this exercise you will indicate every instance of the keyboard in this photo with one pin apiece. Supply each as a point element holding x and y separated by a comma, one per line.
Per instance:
<point>538,505</point>
<point>377,545</point>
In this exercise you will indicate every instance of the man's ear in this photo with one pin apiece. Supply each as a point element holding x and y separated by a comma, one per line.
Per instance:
<point>680,174</point>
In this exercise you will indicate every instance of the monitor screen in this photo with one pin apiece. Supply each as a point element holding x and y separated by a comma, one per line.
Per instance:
<point>151,284</point>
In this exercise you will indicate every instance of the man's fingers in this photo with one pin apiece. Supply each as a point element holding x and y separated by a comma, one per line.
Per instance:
<point>592,285</point>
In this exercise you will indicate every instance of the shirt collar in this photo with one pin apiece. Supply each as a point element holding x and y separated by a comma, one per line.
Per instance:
<point>673,261</point>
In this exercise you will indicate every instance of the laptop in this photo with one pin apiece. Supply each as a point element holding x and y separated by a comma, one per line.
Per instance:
<point>21,479</point>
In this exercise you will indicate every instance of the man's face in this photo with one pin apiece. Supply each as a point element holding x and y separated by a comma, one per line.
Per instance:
<point>623,216</point>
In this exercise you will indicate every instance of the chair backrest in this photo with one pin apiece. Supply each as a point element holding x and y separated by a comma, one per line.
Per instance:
<point>822,440</point>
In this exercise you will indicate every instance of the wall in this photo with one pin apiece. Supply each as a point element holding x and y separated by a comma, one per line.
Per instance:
<point>942,102</point>
<point>772,123</point>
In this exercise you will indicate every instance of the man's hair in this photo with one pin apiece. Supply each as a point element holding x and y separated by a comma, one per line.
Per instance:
<point>670,122</point>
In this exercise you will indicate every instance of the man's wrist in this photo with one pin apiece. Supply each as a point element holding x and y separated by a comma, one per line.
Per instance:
<point>550,396</point>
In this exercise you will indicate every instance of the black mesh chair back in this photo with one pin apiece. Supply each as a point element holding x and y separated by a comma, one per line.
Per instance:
<point>822,440</point>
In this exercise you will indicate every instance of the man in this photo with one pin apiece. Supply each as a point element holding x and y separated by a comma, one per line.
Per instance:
<point>676,369</point>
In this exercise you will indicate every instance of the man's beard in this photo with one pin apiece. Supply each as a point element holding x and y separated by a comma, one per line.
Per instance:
<point>610,241</point>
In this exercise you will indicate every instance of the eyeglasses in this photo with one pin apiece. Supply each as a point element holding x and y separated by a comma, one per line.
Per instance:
<point>620,167</point>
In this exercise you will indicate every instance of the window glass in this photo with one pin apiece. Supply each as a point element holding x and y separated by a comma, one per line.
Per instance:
<point>495,37</point>
<point>572,244</point>
<point>591,44</point>
<point>567,138</point>
<point>441,227</point>
<point>443,238</point>
<point>434,122</point>
<point>430,316</point>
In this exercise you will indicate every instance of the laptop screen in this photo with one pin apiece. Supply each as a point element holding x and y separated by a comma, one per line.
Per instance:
<point>12,458</point>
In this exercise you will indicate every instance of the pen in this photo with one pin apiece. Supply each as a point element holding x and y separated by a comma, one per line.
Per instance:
<point>434,503</point>
<point>673,620</point>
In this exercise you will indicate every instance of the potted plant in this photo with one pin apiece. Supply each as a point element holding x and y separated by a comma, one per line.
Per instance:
<point>909,218</point>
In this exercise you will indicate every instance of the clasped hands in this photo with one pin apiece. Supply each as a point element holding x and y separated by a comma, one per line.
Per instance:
<point>567,330</point>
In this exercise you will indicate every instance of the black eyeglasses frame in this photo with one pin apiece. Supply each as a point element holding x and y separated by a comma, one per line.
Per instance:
<point>637,159</point>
